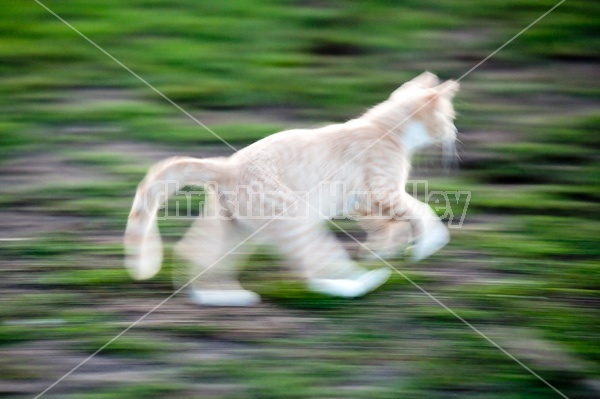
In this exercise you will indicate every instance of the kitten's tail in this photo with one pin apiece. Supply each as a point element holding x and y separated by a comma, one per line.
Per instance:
<point>143,246</point>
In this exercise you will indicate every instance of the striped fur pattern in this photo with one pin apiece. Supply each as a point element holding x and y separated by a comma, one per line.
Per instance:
<point>368,154</point>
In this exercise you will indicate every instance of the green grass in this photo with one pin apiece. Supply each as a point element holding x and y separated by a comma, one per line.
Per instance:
<point>144,389</point>
<point>312,65</point>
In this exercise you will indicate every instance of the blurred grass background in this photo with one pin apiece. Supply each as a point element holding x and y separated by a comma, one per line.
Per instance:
<point>78,132</point>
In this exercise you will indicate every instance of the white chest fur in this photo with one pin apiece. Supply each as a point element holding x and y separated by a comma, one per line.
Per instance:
<point>415,136</point>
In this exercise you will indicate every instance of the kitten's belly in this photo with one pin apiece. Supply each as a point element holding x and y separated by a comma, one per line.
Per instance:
<point>334,199</point>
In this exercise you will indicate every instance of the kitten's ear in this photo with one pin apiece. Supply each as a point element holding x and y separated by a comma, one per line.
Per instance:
<point>448,89</point>
<point>426,79</point>
<point>430,96</point>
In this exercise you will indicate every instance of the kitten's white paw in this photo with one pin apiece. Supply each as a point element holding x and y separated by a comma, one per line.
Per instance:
<point>350,288</point>
<point>434,239</point>
<point>373,279</point>
<point>224,297</point>
<point>344,288</point>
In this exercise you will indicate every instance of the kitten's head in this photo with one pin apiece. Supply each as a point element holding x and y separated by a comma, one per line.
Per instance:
<point>431,110</point>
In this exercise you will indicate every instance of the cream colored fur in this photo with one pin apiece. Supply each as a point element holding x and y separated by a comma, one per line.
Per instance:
<point>368,154</point>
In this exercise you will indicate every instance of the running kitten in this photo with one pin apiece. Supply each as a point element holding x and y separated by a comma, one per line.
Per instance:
<point>370,154</point>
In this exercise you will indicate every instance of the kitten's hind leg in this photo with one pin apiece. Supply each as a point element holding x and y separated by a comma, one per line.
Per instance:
<point>214,248</point>
<point>322,260</point>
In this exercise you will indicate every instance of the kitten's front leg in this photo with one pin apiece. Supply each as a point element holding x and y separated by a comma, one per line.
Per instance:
<point>385,238</point>
<point>428,230</point>
<point>321,259</point>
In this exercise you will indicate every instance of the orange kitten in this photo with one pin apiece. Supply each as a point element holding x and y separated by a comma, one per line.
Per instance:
<point>295,178</point>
